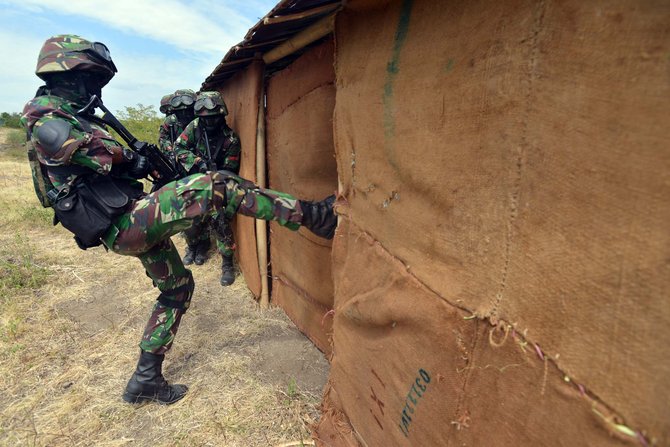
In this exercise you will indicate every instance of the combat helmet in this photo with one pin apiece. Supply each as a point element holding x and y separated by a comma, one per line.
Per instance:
<point>182,99</point>
<point>210,103</point>
<point>67,52</point>
<point>165,104</point>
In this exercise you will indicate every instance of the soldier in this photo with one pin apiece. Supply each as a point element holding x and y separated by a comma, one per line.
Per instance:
<point>164,140</point>
<point>180,106</point>
<point>95,194</point>
<point>208,143</point>
<point>165,105</point>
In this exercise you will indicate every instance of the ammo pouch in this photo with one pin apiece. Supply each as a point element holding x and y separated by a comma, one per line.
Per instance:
<point>88,207</point>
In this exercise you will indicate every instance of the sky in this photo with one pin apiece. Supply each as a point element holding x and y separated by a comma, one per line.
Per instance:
<point>158,46</point>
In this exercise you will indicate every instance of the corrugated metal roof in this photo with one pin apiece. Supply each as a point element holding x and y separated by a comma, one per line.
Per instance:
<point>284,21</point>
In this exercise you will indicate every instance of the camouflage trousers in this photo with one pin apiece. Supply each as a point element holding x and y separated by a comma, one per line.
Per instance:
<point>145,230</point>
<point>218,224</point>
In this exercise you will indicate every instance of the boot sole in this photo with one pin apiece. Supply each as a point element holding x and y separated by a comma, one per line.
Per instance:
<point>142,398</point>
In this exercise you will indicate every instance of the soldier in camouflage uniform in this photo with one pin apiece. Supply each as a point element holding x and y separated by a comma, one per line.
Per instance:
<point>76,150</point>
<point>208,143</point>
<point>164,129</point>
<point>180,105</point>
<point>165,105</point>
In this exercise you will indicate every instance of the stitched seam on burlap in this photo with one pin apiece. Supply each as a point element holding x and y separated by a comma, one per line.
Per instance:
<point>519,168</point>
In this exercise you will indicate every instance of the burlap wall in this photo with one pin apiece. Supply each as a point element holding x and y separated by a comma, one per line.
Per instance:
<point>505,160</point>
<point>242,93</point>
<point>301,161</point>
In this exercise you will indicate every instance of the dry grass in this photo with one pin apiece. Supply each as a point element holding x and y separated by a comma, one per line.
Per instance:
<point>69,328</point>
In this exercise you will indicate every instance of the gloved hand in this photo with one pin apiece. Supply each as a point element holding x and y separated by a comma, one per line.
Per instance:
<point>318,217</point>
<point>137,165</point>
<point>200,166</point>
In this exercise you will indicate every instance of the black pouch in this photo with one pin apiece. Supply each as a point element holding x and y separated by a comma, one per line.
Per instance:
<point>88,208</point>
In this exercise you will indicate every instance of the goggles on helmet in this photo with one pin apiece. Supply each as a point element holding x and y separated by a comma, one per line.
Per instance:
<point>178,100</point>
<point>97,50</point>
<point>207,103</point>
<point>100,50</point>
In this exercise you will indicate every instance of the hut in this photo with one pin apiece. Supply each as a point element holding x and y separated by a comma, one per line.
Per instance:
<point>501,267</point>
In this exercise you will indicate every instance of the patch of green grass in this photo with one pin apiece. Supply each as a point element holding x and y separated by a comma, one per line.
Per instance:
<point>16,347</point>
<point>15,147</point>
<point>37,215</point>
<point>16,137</point>
<point>18,269</point>
<point>10,329</point>
<point>292,389</point>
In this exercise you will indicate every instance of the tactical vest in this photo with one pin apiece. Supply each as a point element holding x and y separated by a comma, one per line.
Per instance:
<point>220,147</point>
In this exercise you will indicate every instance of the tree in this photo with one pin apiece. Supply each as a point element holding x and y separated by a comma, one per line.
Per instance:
<point>10,119</point>
<point>142,121</point>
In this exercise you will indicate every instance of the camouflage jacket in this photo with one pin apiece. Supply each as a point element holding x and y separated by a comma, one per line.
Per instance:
<point>88,148</point>
<point>225,148</point>
<point>165,133</point>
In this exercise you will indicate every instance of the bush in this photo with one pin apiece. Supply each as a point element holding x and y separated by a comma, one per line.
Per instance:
<point>142,121</point>
<point>10,119</point>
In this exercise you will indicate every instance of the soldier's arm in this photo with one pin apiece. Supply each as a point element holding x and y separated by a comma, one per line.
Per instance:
<point>232,160</point>
<point>60,142</point>
<point>164,138</point>
<point>184,148</point>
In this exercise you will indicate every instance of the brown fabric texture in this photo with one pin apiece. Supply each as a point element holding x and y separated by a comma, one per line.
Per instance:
<point>242,94</point>
<point>506,161</point>
<point>301,161</point>
<point>411,369</point>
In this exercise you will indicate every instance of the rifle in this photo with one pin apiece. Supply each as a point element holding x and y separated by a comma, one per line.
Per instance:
<point>172,134</point>
<point>210,162</point>
<point>163,171</point>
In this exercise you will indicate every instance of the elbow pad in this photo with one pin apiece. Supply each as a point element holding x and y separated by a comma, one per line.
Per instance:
<point>52,135</point>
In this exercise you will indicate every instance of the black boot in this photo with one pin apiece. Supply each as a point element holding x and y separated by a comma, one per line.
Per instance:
<point>227,270</point>
<point>319,218</point>
<point>148,383</point>
<point>190,254</point>
<point>201,252</point>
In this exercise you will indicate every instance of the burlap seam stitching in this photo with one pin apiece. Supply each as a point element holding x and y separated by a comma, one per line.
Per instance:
<point>518,169</point>
<point>298,99</point>
<point>610,421</point>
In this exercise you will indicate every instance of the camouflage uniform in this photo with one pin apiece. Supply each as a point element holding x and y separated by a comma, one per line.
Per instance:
<point>172,127</point>
<point>144,230</point>
<point>75,151</point>
<point>190,150</point>
<point>165,131</point>
<point>164,140</point>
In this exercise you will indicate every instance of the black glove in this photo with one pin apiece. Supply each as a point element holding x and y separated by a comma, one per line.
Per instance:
<point>137,165</point>
<point>319,218</point>
<point>200,166</point>
<point>203,167</point>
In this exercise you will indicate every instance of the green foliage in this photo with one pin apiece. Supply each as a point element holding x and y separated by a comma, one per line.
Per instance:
<point>10,119</point>
<point>292,390</point>
<point>15,148</point>
<point>142,121</point>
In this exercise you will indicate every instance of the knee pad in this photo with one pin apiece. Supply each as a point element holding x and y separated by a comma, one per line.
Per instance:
<point>166,298</point>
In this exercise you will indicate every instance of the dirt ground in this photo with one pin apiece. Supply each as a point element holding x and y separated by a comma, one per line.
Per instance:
<point>279,352</point>
<point>68,344</point>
